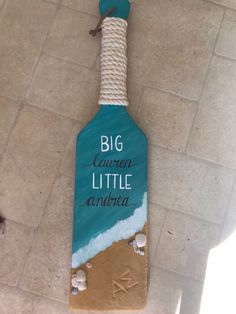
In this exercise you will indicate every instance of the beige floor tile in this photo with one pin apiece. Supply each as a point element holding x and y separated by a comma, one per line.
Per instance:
<point>166,119</point>
<point>65,88</point>
<point>226,44</point>
<point>188,185</point>
<point>213,136</point>
<point>14,246</point>
<point>30,164</point>
<point>47,269</point>
<point>226,3</point>
<point>184,245</point>
<point>69,37</point>
<point>171,49</point>
<point>8,113</point>
<point>90,7</point>
<point>68,163</point>
<point>170,293</point>
<point>230,220</point>
<point>15,301</point>
<point>23,29</point>
<point>157,215</point>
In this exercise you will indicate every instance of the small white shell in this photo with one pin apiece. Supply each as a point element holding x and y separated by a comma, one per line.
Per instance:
<point>131,242</point>
<point>74,291</point>
<point>89,265</point>
<point>74,282</point>
<point>82,286</point>
<point>140,239</point>
<point>141,252</point>
<point>80,276</point>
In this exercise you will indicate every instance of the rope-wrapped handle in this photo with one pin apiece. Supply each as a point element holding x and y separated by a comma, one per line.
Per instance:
<point>113,62</point>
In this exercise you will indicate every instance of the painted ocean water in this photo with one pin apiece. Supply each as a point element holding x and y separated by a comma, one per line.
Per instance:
<point>110,202</point>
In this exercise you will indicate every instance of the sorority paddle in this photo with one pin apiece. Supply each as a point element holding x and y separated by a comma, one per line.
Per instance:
<point>109,252</point>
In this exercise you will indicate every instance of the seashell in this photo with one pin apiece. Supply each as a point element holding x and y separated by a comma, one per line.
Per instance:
<point>80,276</point>
<point>131,242</point>
<point>140,240</point>
<point>141,252</point>
<point>74,281</point>
<point>89,265</point>
<point>74,291</point>
<point>82,286</point>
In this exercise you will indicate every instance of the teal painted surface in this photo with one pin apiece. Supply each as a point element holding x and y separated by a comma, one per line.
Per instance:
<point>90,220</point>
<point>122,8</point>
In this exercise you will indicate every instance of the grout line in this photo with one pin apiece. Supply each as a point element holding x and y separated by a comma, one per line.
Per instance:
<point>196,109</point>
<point>204,84</point>
<point>161,232</point>
<point>97,60</point>
<point>70,62</point>
<point>228,208</point>
<point>41,51</point>
<point>34,294</point>
<point>20,223</point>
<point>65,174</point>
<point>166,91</point>
<point>42,296</point>
<point>20,108</point>
<point>184,276</point>
<point>10,98</point>
<point>137,106</point>
<point>141,101</point>
<point>80,11</point>
<point>74,121</point>
<point>208,161</point>
<point>222,6</point>
<point>3,6</point>
<point>177,211</point>
<point>221,56</point>
<point>75,128</point>
<point>193,157</point>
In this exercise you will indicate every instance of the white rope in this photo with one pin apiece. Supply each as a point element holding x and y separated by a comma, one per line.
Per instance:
<point>113,62</point>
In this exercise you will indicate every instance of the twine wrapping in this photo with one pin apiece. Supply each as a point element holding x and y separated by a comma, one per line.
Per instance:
<point>113,62</point>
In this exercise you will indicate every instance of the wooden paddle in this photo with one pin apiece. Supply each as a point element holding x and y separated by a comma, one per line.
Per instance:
<point>109,254</point>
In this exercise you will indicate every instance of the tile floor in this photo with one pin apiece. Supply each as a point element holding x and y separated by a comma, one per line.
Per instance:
<point>182,90</point>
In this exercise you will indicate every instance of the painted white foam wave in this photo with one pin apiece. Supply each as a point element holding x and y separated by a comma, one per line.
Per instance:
<point>122,230</point>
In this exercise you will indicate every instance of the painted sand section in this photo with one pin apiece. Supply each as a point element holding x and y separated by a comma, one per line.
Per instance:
<point>117,280</point>
<point>121,230</point>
